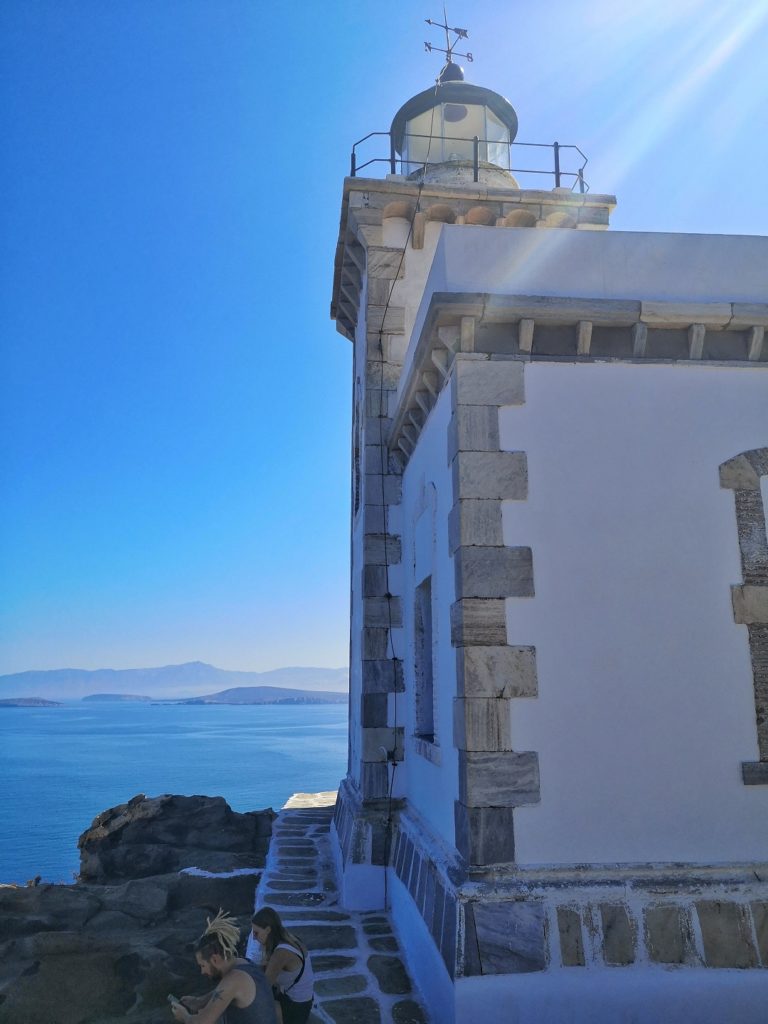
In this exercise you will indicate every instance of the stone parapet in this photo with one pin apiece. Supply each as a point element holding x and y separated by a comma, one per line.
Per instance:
<point>711,923</point>
<point>547,920</point>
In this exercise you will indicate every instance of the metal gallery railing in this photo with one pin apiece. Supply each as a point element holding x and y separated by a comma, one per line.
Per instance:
<point>566,168</point>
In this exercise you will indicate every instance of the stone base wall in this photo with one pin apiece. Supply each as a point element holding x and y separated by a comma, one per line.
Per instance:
<point>628,924</point>
<point>549,920</point>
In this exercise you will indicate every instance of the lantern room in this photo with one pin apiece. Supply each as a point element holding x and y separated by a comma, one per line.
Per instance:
<point>454,122</point>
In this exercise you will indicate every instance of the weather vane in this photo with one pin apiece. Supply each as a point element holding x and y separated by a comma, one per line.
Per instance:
<point>459,33</point>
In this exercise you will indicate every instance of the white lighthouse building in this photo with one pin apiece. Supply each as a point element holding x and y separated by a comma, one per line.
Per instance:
<point>558,760</point>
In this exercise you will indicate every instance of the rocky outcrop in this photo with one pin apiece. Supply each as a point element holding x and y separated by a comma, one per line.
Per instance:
<point>101,953</point>
<point>152,836</point>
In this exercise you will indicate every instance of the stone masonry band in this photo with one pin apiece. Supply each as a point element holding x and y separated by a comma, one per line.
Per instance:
<point>493,778</point>
<point>382,621</point>
<point>743,475</point>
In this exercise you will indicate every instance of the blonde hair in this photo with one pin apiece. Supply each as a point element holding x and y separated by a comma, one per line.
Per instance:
<point>220,936</point>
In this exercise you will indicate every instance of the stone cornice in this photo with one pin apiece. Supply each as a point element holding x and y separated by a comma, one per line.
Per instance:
<point>397,186</point>
<point>453,318</point>
<point>365,202</point>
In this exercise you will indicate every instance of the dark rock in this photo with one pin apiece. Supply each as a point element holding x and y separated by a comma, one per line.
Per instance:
<point>286,885</point>
<point>318,936</point>
<point>667,935</point>
<point>377,928</point>
<point>384,944</point>
<point>299,899</point>
<point>25,910</point>
<point>760,917</point>
<point>726,934</point>
<point>67,988</point>
<point>110,921</point>
<point>310,818</point>
<point>571,939</point>
<point>212,893</point>
<point>317,915</point>
<point>408,1012</point>
<point>331,962</point>
<point>390,974</point>
<point>297,870</point>
<point>93,952</point>
<point>292,876</point>
<point>618,934</point>
<point>505,938</point>
<point>344,985</point>
<point>152,836</point>
<point>355,1010</point>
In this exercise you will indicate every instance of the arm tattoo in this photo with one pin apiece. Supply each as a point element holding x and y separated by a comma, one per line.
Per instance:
<point>216,995</point>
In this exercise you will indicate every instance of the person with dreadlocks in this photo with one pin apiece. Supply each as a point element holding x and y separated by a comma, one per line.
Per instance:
<point>286,964</point>
<point>242,991</point>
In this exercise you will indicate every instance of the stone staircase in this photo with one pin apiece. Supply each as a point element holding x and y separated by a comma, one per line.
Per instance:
<point>360,975</point>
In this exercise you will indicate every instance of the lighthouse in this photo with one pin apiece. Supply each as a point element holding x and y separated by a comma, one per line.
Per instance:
<point>558,748</point>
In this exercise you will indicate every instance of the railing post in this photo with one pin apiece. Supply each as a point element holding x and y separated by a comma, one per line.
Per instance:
<point>556,148</point>
<point>352,164</point>
<point>581,180</point>
<point>392,155</point>
<point>476,158</point>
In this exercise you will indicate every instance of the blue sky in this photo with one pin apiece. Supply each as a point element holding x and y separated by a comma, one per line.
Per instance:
<point>174,400</point>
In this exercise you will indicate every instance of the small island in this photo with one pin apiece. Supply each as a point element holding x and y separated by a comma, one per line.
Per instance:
<point>28,702</point>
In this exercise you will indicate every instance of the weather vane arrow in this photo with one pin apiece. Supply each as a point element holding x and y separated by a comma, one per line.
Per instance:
<point>449,51</point>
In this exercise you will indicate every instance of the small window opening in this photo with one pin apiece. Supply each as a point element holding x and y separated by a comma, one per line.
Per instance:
<point>424,671</point>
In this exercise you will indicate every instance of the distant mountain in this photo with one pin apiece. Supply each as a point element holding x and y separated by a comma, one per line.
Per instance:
<point>28,702</point>
<point>173,682</point>
<point>270,695</point>
<point>115,696</point>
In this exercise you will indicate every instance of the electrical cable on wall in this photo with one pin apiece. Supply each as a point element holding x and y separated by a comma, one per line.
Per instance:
<point>392,755</point>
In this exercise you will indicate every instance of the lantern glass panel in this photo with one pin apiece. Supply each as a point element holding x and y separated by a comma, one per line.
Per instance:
<point>446,132</point>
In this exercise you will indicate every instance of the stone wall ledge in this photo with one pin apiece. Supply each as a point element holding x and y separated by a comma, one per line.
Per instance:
<point>540,327</point>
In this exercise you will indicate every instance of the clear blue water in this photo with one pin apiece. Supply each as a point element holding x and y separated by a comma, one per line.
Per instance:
<point>60,767</point>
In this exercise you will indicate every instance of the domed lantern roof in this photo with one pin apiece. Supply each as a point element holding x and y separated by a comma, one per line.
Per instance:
<point>439,125</point>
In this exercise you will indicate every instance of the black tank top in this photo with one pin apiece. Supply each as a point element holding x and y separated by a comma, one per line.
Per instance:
<point>262,1009</point>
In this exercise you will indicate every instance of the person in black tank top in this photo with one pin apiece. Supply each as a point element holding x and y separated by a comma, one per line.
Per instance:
<point>242,994</point>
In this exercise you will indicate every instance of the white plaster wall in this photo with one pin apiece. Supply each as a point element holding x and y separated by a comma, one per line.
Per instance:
<point>646,708</point>
<point>616,996</point>
<point>408,290</point>
<point>432,788</point>
<point>634,265</point>
<point>605,265</point>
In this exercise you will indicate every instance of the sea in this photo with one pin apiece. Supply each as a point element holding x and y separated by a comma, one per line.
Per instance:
<point>61,766</point>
